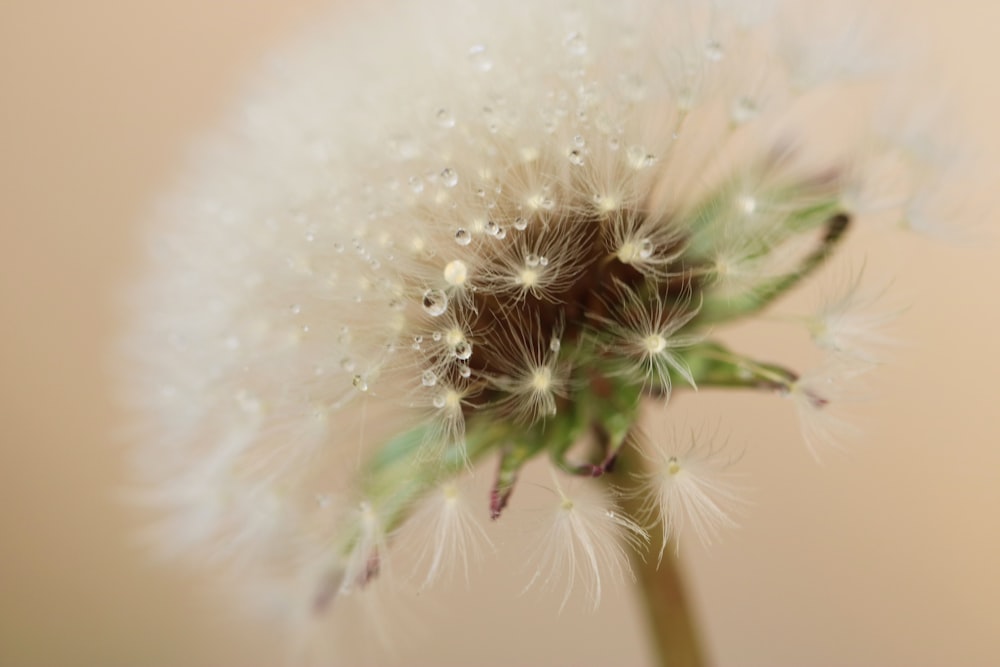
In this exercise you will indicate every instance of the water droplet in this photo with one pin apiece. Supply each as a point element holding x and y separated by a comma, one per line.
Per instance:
<point>347,364</point>
<point>520,223</point>
<point>576,157</point>
<point>463,351</point>
<point>744,110</point>
<point>576,44</point>
<point>449,177</point>
<point>416,184</point>
<point>547,203</point>
<point>462,236</point>
<point>579,141</point>
<point>639,158</point>
<point>295,308</point>
<point>673,465</point>
<point>531,259</point>
<point>555,344</point>
<point>645,249</point>
<point>713,50</point>
<point>435,302</point>
<point>480,58</point>
<point>428,378</point>
<point>501,233</point>
<point>360,383</point>
<point>544,261</point>
<point>456,272</point>
<point>464,370</point>
<point>614,143</point>
<point>444,118</point>
<point>747,204</point>
<point>405,146</point>
<point>439,401</point>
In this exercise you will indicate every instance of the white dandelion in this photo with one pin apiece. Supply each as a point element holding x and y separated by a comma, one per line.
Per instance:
<point>374,278</point>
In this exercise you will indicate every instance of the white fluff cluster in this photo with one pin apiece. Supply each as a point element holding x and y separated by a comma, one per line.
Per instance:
<point>451,209</point>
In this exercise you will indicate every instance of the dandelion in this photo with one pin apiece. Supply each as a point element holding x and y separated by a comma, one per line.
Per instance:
<point>471,236</point>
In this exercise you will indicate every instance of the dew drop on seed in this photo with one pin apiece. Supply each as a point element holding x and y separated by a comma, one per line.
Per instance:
<point>575,157</point>
<point>576,44</point>
<point>463,351</point>
<point>347,364</point>
<point>416,184</point>
<point>544,261</point>
<point>639,158</point>
<point>744,110</point>
<point>501,233</point>
<point>444,119</point>
<point>462,236</point>
<point>555,344</point>
<point>531,259</point>
<point>456,272</point>
<point>360,383</point>
<point>645,249</point>
<point>714,51</point>
<point>579,141</point>
<point>520,223</point>
<point>480,59</point>
<point>747,204</point>
<point>436,336</point>
<point>449,177</point>
<point>464,370</point>
<point>435,302</point>
<point>428,378</point>
<point>439,401</point>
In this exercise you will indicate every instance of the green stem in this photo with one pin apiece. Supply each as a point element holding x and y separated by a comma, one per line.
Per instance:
<point>671,620</point>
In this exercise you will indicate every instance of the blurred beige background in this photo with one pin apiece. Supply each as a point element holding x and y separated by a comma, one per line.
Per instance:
<point>885,555</point>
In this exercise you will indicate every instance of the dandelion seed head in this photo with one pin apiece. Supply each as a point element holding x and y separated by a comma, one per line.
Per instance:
<point>539,225</point>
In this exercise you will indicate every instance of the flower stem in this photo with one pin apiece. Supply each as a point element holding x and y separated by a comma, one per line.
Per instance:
<point>671,620</point>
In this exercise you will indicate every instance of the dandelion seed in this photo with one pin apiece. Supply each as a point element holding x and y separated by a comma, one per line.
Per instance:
<point>848,323</point>
<point>643,332</point>
<point>687,485</point>
<point>585,535</point>
<point>448,535</point>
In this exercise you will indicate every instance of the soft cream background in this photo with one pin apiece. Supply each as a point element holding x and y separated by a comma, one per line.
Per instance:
<point>885,555</point>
